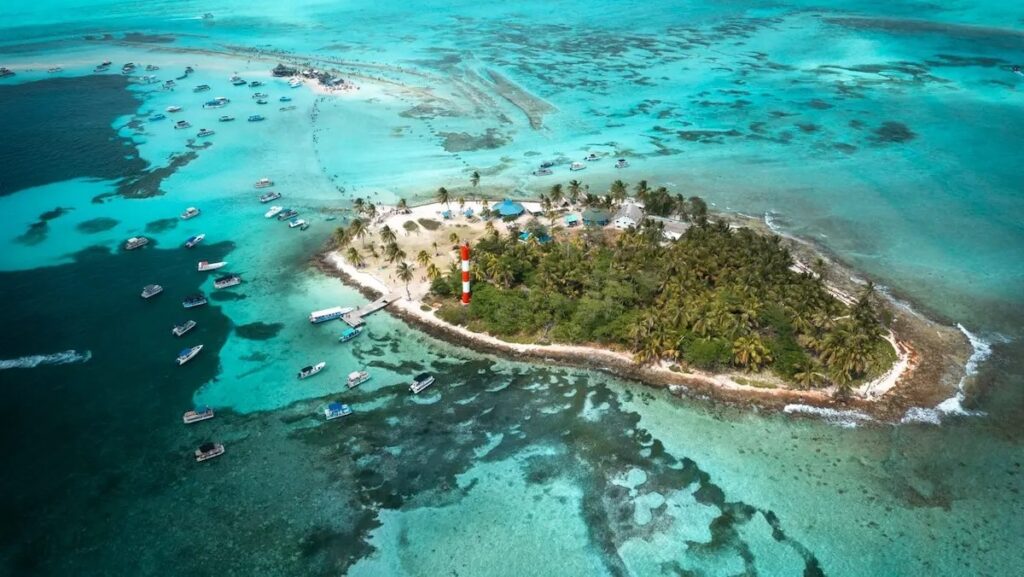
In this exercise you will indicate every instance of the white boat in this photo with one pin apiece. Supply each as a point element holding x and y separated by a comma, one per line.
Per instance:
<point>335,410</point>
<point>295,82</point>
<point>265,198</point>
<point>227,281</point>
<point>422,381</point>
<point>311,370</point>
<point>542,172</point>
<point>194,240</point>
<point>151,290</point>
<point>356,378</point>
<point>205,266</point>
<point>193,301</point>
<point>264,183</point>
<point>226,118</point>
<point>182,124</point>
<point>181,329</point>
<point>187,355</point>
<point>203,133</point>
<point>296,222</point>
<point>135,242</point>
<point>208,451</point>
<point>173,109</point>
<point>190,212</point>
<point>273,211</point>
<point>621,163</point>
<point>329,314</point>
<point>592,157</point>
<point>577,166</point>
<point>197,414</point>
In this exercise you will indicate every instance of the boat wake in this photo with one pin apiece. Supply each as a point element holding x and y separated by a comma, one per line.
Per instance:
<point>982,350</point>
<point>844,419</point>
<point>32,361</point>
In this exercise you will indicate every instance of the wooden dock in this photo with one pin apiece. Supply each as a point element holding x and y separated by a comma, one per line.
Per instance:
<point>357,317</point>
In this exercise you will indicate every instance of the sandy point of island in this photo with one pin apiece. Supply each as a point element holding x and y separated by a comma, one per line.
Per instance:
<point>930,356</point>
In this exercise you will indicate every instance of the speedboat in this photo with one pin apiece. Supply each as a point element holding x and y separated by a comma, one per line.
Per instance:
<point>102,67</point>
<point>592,157</point>
<point>128,68</point>
<point>287,214</point>
<point>287,108</point>
<point>156,117</point>
<point>187,355</point>
<point>237,80</point>
<point>356,378</point>
<point>1017,71</point>
<point>261,101</point>
<point>304,225</point>
<point>285,99</point>
<point>182,124</point>
<point>226,118</point>
<point>227,281</point>
<point>255,84</point>
<point>295,82</point>
<point>258,95</point>
<point>55,70</point>
<point>201,88</point>
<point>193,301</point>
<point>330,314</point>
<point>203,132</point>
<point>257,118</point>
<point>5,72</point>
<point>205,266</point>
<point>349,334</point>
<point>135,242</point>
<point>173,109</point>
<point>547,164</point>
<point>194,240</point>
<point>335,410</point>
<point>190,212</point>
<point>577,166</point>
<point>422,381</point>
<point>215,103</point>
<point>264,183</point>
<point>621,163</point>
<point>311,370</point>
<point>265,198</point>
<point>183,328</point>
<point>542,172</point>
<point>207,451</point>
<point>273,211</point>
<point>152,68</point>
<point>151,290</point>
<point>197,414</point>
<point>296,222</point>
<point>168,85</point>
<point>189,70</point>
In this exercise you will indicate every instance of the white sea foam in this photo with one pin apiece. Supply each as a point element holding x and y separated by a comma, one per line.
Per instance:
<point>982,350</point>
<point>769,221</point>
<point>33,361</point>
<point>845,419</point>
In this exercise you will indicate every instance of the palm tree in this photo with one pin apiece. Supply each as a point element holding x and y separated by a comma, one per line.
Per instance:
<point>453,238</point>
<point>442,196</point>
<point>808,374</point>
<point>358,229</point>
<point>423,258</point>
<point>359,205</point>
<point>402,206</point>
<point>618,191</point>
<point>556,194</point>
<point>371,211</point>
<point>404,272</point>
<point>341,237</point>
<point>387,236</point>
<point>474,178</point>
<point>575,187</point>
<point>750,351</point>
<point>641,189</point>
<point>393,253</point>
<point>354,258</point>
<point>462,204</point>
<point>433,272</point>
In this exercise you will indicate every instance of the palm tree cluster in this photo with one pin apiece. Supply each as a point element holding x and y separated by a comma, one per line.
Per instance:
<point>716,298</point>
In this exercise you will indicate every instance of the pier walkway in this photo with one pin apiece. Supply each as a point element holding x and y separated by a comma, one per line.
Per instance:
<point>356,317</point>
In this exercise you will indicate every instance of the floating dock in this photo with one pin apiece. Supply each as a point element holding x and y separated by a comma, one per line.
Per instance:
<point>357,317</point>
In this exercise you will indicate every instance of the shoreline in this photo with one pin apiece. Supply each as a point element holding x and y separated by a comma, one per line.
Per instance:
<point>930,363</point>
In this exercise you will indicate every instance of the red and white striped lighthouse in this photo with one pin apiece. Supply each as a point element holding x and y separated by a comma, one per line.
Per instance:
<point>465,273</point>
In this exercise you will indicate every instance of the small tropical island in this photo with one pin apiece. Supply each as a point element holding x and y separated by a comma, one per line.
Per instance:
<point>646,284</point>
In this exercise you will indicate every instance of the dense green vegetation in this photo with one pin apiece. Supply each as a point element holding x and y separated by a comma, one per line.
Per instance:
<point>717,298</point>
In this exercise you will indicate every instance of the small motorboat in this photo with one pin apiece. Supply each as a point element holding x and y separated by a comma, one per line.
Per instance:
<point>285,99</point>
<point>287,108</point>
<point>349,334</point>
<point>188,354</point>
<point>296,223</point>
<point>189,70</point>
<point>208,451</point>
<point>304,225</point>
<point>227,281</point>
<point>238,81</point>
<point>547,164</point>
<point>265,198</point>
<point>306,372</point>
<point>422,381</point>
<point>182,124</point>
<point>258,95</point>
<point>102,67</point>
<point>1017,71</point>
<point>274,210</point>
<point>356,378</point>
<point>183,328</point>
<point>287,214</point>
<point>295,82</point>
<point>226,118</point>
<point>55,70</point>
<point>201,88</point>
<point>197,414</point>
<point>257,118</point>
<point>542,172</point>
<point>577,166</point>
<point>157,116</point>
<point>128,68</point>
<point>264,183</point>
<point>336,410</point>
<point>152,68</point>
<point>205,266</point>
<point>193,301</point>
<point>621,163</point>
<point>151,290</point>
<point>194,240</point>
<point>255,84</point>
<point>204,132</point>
<point>190,212</point>
<point>592,157</point>
<point>135,242</point>
<point>261,101</point>
<point>173,109</point>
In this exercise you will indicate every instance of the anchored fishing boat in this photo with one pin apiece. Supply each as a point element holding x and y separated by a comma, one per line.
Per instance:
<point>306,372</point>
<point>205,266</point>
<point>190,212</point>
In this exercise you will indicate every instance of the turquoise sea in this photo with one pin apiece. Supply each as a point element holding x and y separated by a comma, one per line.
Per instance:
<point>885,132</point>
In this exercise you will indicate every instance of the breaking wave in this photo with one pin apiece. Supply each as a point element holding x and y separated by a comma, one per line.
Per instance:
<point>982,350</point>
<point>845,419</point>
<point>32,361</point>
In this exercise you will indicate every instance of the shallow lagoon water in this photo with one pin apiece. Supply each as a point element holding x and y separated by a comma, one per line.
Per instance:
<point>886,139</point>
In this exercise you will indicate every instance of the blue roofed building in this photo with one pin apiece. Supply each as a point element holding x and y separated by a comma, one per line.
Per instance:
<point>509,209</point>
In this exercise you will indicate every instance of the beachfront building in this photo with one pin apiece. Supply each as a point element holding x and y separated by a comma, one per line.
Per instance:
<point>672,229</point>
<point>509,209</point>
<point>534,208</point>
<point>572,219</point>
<point>629,216</point>
<point>596,217</point>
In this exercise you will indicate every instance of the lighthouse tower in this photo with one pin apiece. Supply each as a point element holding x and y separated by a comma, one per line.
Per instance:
<point>465,273</point>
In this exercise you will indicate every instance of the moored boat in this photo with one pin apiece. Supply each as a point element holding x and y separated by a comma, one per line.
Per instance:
<point>577,166</point>
<point>55,70</point>
<point>422,381</point>
<point>592,157</point>
<point>190,212</point>
<point>151,290</point>
<point>335,410</point>
<point>349,334</point>
<point>201,88</point>
<point>265,198</point>
<point>287,214</point>
<point>194,240</point>
<point>259,95</point>
<point>135,242</point>
<point>197,414</point>
<point>257,118</point>
<point>356,378</point>
<point>226,118</point>
<point>621,163</point>
<point>152,68</point>
<point>227,281</point>
<point>128,68</point>
<point>173,109</point>
<point>287,108</point>
<point>330,314</point>
<point>255,84</point>
<point>204,132</point>
<point>296,222</point>
<point>295,82</point>
<point>542,172</point>
<point>188,354</point>
<point>205,266</point>
<point>274,210</point>
<point>157,116</point>
<point>285,99</point>
<point>309,371</point>
<point>193,301</point>
<point>183,328</point>
<point>207,451</point>
<point>182,124</point>
<point>264,183</point>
